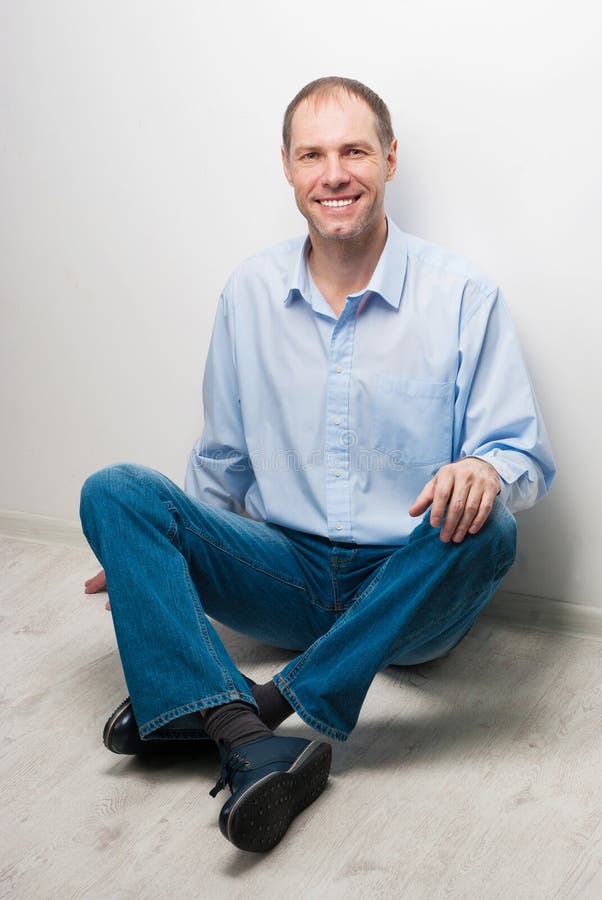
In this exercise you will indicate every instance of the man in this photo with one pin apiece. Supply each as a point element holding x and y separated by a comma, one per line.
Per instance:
<point>354,379</point>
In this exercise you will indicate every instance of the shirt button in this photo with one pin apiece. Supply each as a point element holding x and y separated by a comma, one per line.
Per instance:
<point>337,420</point>
<point>338,473</point>
<point>339,369</point>
<point>339,526</point>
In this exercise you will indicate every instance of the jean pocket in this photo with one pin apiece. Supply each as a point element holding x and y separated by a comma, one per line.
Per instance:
<point>413,419</point>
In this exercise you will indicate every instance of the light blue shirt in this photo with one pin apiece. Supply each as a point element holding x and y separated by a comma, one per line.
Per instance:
<point>334,425</point>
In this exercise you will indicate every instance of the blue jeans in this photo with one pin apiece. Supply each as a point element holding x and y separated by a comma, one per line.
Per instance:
<point>171,562</point>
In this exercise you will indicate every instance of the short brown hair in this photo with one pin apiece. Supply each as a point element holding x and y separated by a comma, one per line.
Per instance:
<point>326,87</point>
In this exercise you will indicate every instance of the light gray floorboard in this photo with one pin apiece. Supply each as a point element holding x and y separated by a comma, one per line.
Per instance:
<point>476,776</point>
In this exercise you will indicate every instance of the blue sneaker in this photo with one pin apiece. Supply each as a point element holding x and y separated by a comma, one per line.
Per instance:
<point>272,780</point>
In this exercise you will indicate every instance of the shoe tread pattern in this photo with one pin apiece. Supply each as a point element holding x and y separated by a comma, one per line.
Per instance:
<point>262,816</point>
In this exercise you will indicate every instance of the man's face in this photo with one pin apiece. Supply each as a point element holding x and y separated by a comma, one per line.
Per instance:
<point>337,167</point>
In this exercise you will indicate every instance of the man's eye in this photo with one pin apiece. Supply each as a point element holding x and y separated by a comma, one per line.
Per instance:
<point>309,156</point>
<point>355,151</point>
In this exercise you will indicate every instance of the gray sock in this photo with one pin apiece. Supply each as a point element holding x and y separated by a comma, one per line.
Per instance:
<point>235,723</point>
<point>273,708</point>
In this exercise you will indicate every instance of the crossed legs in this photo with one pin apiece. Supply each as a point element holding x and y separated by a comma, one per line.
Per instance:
<point>172,563</point>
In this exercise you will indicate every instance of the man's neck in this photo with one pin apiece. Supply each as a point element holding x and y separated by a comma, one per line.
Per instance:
<point>340,268</point>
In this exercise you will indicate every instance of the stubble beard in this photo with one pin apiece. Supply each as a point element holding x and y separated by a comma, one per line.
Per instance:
<point>364,225</point>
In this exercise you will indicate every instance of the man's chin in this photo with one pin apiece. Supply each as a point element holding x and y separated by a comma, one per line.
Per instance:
<point>338,232</point>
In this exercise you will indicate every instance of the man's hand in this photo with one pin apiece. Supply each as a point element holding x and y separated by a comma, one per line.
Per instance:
<point>97,584</point>
<point>463,492</point>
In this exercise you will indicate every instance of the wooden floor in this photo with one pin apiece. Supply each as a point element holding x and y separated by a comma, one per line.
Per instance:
<point>477,776</point>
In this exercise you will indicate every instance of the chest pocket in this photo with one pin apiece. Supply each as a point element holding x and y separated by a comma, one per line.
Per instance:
<point>413,419</point>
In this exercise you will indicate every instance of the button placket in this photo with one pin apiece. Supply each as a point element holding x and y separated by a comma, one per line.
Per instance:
<point>337,450</point>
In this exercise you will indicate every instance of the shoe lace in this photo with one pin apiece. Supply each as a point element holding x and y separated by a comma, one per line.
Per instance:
<point>233,763</point>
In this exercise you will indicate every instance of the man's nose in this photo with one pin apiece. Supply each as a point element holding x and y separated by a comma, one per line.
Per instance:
<point>335,174</point>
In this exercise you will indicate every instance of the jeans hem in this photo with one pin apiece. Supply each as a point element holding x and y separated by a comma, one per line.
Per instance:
<point>195,706</point>
<point>310,720</point>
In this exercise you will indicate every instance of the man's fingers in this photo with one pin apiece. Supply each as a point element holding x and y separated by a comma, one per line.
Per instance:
<point>457,512</point>
<point>472,507</point>
<point>96,583</point>
<point>461,496</point>
<point>108,605</point>
<point>484,512</point>
<point>443,492</point>
<point>423,500</point>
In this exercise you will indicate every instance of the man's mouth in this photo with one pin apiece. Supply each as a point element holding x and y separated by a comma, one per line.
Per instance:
<point>332,203</point>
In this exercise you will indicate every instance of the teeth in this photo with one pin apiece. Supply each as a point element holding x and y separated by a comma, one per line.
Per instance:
<point>336,202</point>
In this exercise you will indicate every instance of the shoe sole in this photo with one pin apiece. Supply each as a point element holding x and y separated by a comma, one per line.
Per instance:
<point>260,817</point>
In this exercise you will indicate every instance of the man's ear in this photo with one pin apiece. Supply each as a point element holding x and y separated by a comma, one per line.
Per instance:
<point>392,160</point>
<point>285,165</point>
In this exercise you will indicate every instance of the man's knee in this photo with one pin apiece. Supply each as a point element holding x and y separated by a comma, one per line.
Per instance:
<point>108,485</point>
<point>501,533</point>
<point>106,481</point>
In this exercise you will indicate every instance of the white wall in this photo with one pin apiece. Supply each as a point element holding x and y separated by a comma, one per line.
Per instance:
<point>139,157</point>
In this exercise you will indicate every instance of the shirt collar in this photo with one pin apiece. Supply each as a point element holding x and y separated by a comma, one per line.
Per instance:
<point>387,279</point>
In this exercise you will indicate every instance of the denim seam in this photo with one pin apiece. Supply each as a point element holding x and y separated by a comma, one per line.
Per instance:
<point>245,562</point>
<point>313,598</point>
<point>172,531</point>
<point>200,617</point>
<point>310,720</point>
<point>306,656</point>
<point>198,610</point>
<point>195,706</point>
<point>334,580</point>
<point>370,587</point>
<point>344,564</point>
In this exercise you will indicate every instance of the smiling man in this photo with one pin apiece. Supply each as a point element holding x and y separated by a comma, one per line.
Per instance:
<point>358,379</point>
<point>339,174</point>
